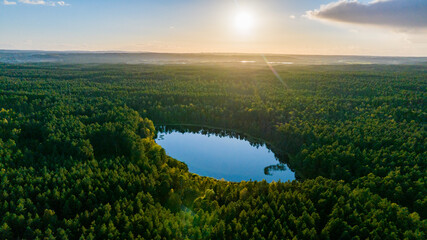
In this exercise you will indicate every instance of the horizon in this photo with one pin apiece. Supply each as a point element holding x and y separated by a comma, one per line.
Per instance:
<point>205,53</point>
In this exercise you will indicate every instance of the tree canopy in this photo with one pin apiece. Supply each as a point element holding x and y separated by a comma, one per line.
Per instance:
<point>78,157</point>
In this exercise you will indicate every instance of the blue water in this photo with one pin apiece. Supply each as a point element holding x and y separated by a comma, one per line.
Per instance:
<point>225,158</point>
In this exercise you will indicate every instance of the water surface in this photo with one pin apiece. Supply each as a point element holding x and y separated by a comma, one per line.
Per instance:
<point>224,157</point>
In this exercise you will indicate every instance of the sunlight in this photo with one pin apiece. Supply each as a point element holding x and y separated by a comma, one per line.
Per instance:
<point>244,21</point>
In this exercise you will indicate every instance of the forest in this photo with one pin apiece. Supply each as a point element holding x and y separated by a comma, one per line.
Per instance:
<point>78,157</point>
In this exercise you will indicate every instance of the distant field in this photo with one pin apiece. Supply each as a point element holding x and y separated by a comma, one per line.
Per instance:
<point>10,56</point>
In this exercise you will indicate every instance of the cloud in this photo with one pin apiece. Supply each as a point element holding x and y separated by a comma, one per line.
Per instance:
<point>44,3</point>
<point>33,2</point>
<point>62,3</point>
<point>5,2</point>
<point>397,14</point>
<point>292,16</point>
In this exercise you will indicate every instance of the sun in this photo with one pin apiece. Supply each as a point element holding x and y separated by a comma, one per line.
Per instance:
<point>244,21</point>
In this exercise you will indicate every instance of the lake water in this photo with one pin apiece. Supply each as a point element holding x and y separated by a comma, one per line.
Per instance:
<point>224,157</point>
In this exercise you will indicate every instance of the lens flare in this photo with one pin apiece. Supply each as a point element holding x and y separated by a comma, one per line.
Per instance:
<point>275,72</point>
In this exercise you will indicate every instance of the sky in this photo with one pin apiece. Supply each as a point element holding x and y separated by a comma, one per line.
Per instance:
<point>315,27</point>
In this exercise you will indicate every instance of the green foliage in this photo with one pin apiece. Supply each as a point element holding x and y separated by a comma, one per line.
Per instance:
<point>78,159</point>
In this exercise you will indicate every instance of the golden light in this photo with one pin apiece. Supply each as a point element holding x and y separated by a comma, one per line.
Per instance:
<point>244,21</point>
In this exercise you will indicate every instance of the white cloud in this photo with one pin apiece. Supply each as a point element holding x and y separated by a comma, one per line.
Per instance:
<point>62,3</point>
<point>44,3</point>
<point>396,14</point>
<point>292,16</point>
<point>5,2</point>
<point>33,2</point>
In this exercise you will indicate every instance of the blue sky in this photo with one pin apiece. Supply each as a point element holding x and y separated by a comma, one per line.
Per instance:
<point>276,26</point>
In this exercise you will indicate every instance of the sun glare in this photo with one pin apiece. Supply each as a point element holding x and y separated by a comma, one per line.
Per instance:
<point>244,21</point>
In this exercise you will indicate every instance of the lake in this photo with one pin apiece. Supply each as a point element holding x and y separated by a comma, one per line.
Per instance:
<point>224,157</point>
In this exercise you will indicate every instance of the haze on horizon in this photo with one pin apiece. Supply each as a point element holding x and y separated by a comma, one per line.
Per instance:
<point>314,27</point>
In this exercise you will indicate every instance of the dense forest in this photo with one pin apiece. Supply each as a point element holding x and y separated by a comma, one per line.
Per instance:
<point>78,159</point>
